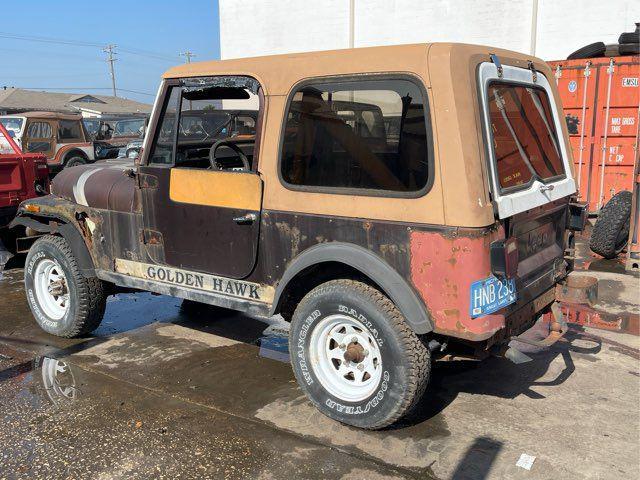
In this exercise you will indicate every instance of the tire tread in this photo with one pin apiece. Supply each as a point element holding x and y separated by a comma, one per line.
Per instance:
<point>90,291</point>
<point>416,351</point>
<point>610,221</point>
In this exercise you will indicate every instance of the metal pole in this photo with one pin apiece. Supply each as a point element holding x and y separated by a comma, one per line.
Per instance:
<point>110,59</point>
<point>606,132</point>
<point>352,14</point>
<point>586,73</point>
<point>534,27</point>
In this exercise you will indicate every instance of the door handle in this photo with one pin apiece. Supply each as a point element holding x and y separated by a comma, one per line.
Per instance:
<point>245,219</point>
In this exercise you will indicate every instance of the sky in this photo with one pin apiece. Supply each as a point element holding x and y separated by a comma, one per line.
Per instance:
<point>149,34</point>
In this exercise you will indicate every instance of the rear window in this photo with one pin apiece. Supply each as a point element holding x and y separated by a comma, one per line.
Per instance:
<point>365,135</point>
<point>524,137</point>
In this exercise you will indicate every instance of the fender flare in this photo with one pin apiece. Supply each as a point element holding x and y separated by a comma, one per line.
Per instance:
<point>369,264</point>
<point>66,231</point>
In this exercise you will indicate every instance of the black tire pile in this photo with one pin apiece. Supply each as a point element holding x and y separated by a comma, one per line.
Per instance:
<point>628,44</point>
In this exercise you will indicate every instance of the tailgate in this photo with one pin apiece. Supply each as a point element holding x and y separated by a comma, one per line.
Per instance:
<point>531,178</point>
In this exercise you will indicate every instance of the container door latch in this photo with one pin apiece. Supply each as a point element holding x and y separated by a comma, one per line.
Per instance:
<point>534,73</point>
<point>496,61</point>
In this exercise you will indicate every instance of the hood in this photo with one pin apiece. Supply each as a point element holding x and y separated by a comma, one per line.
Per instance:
<point>102,185</point>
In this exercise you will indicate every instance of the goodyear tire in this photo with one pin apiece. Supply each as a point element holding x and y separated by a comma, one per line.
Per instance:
<point>63,301</point>
<point>611,231</point>
<point>592,50</point>
<point>74,162</point>
<point>630,37</point>
<point>629,49</point>
<point>354,355</point>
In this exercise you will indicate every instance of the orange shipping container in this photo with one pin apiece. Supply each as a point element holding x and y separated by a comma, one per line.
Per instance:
<point>601,100</point>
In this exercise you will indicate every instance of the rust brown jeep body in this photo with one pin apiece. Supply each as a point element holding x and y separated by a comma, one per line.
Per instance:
<point>260,236</point>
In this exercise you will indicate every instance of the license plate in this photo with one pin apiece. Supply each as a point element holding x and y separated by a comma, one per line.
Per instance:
<point>490,295</point>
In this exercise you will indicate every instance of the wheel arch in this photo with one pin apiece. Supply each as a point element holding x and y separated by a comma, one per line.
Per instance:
<point>337,260</point>
<point>62,227</point>
<point>74,152</point>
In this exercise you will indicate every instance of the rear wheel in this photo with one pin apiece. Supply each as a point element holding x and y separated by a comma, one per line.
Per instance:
<point>354,355</point>
<point>611,231</point>
<point>63,301</point>
<point>75,161</point>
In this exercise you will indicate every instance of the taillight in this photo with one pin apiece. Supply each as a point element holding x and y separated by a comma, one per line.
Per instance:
<point>504,258</point>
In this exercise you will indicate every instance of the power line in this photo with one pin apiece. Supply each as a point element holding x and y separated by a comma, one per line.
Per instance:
<point>58,41</point>
<point>88,88</point>
<point>79,43</point>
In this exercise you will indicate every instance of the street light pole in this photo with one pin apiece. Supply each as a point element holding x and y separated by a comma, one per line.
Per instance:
<point>110,59</point>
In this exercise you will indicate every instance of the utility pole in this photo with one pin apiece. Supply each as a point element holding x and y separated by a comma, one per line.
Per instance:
<point>534,27</point>
<point>110,59</point>
<point>187,56</point>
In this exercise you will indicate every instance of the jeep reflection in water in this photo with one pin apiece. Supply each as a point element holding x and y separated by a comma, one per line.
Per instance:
<point>393,203</point>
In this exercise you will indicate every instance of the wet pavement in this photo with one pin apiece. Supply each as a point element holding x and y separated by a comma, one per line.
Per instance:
<point>165,389</point>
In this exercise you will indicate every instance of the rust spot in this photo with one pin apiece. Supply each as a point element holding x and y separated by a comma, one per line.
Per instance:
<point>452,312</point>
<point>452,261</point>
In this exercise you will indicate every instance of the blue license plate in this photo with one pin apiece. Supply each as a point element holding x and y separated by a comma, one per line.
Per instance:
<point>490,295</point>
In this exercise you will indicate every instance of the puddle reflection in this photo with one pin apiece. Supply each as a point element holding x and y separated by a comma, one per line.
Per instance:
<point>58,380</point>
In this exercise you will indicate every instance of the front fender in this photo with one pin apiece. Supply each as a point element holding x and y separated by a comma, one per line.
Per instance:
<point>60,224</point>
<point>369,264</point>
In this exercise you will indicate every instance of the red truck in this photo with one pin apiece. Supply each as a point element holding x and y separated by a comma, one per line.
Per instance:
<point>22,176</point>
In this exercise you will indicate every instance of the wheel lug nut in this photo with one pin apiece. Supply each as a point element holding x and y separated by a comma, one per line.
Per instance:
<point>360,367</point>
<point>354,340</point>
<point>343,346</point>
<point>365,353</point>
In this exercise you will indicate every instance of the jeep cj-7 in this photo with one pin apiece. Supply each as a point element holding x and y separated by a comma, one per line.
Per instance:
<point>393,203</point>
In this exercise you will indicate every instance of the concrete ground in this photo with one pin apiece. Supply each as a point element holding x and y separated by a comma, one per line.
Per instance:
<point>165,391</point>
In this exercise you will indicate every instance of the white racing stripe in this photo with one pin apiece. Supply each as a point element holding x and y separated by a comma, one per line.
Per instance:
<point>78,188</point>
<point>80,185</point>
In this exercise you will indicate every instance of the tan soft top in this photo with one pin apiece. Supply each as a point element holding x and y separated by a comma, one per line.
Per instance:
<point>459,195</point>
<point>61,116</point>
<point>277,73</point>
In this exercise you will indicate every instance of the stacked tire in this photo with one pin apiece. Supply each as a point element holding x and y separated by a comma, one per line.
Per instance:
<point>628,44</point>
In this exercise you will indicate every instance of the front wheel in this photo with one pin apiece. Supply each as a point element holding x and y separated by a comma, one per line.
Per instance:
<point>354,355</point>
<point>63,301</point>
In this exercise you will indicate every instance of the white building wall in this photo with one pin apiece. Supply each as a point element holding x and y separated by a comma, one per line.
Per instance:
<point>262,27</point>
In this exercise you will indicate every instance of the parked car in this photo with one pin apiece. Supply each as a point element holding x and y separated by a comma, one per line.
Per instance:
<point>110,134</point>
<point>383,249</point>
<point>61,137</point>
<point>22,176</point>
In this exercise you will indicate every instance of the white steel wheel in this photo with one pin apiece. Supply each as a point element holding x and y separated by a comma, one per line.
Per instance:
<point>345,358</point>
<point>51,288</point>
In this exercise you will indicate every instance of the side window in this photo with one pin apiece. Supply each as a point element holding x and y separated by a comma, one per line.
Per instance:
<point>69,130</point>
<point>39,137</point>
<point>366,135</point>
<point>39,130</point>
<point>217,128</point>
<point>163,142</point>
